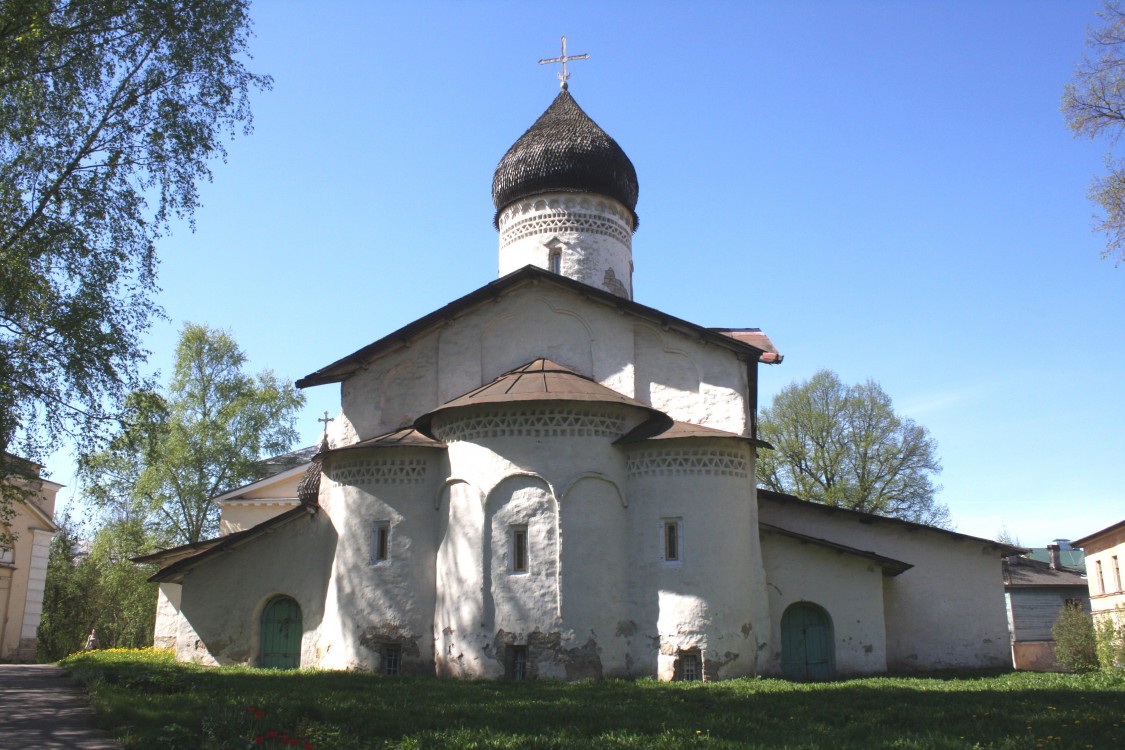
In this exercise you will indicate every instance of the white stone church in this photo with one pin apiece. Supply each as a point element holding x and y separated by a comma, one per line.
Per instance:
<point>545,478</point>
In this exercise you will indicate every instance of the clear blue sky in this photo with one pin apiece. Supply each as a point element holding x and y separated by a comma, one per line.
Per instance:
<point>887,188</point>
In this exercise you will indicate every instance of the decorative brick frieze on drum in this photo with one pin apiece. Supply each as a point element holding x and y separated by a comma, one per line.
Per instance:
<point>360,472</point>
<point>679,461</point>
<point>572,214</point>
<point>532,422</point>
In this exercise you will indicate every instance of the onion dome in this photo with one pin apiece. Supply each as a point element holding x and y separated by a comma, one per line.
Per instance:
<point>565,151</point>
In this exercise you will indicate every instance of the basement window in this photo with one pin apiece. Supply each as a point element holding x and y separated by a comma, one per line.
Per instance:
<point>392,658</point>
<point>381,542</point>
<point>689,667</point>
<point>517,663</point>
<point>518,540</point>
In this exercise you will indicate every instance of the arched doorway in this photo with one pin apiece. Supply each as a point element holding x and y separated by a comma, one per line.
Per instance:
<point>281,634</point>
<point>806,643</point>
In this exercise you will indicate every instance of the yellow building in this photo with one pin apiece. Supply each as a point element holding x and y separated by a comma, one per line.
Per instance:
<point>1105,555</point>
<point>23,569</point>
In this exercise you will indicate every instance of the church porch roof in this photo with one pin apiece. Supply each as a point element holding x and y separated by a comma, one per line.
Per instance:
<point>891,567</point>
<point>178,561</point>
<point>792,501</point>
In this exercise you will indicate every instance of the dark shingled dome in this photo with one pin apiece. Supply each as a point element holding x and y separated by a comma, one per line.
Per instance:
<point>565,151</point>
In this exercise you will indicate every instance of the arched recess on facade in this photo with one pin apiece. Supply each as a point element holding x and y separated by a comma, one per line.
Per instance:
<point>280,629</point>
<point>521,502</point>
<point>516,337</point>
<point>661,369</point>
<point>594,548</point>
<point>458,575</point>
<point>807,642</point>
<point>596,476</point>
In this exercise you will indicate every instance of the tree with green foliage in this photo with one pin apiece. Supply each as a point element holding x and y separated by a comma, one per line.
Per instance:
<point>844,445</point>
<point>1094,106</point>
<point>1075,641</point>
<point>205,436</point>
<point>102,590</point>
<point>110,113</point>
<point>1109,635</point>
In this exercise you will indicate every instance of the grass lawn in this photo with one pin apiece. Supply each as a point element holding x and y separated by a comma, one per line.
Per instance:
<point>150,701</point>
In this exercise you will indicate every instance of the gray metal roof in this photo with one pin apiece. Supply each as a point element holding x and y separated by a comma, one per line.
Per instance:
<point>565,151</point>
<point>1025,572</point>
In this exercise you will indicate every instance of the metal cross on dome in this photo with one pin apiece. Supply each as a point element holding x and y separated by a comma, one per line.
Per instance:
<point>326,419</point>
<point>564,59</point>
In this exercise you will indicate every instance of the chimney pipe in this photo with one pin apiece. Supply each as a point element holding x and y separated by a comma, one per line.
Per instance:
<point>1053,556</point>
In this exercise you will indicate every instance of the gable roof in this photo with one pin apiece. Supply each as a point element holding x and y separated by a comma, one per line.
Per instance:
<point>343,368</point>
<point>891,567</point>
<point>179,561</point>
<point>793,501</point>
<point>1097,534</point>
<point>1023,572</point>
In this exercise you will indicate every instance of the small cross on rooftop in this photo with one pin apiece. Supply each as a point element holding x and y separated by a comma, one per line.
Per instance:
<point>564,59</point>
<point>326,419</point>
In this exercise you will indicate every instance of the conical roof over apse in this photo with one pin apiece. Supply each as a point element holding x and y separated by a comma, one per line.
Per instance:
<point>545,381</point>
<point>565,151</point>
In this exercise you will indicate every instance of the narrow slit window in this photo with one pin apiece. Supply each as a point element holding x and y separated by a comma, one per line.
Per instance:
<point>554,261</point>
<point>672,540</point>
<point>1116,574</point>
<point>1101,580</point>
<point>392,658</point>
<point>381,542</point>
<point>519,549</point>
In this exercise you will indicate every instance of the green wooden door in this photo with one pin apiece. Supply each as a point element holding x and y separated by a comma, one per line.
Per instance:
<point>281,634</point>
<point>806,643</point>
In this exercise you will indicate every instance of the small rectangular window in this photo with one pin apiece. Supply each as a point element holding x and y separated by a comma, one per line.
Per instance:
<point>381,542</point>
<point>689,667</point>
<point>6,555</point>
<point>519,549</point>
<point>392,658</point>
<point>672,546</point>
<point>517,662</point>
<point>555,261</point>
<point>1101,581</point>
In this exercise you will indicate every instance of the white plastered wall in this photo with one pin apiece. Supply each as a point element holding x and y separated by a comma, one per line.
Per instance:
<point>946,612</point>
<point>371,602</point>
<point>713,599</point>
<point>500,483</point>
<point>592,235</point>
<point>680,374</point>
<point>848,587</point>
<point>221,611</point>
